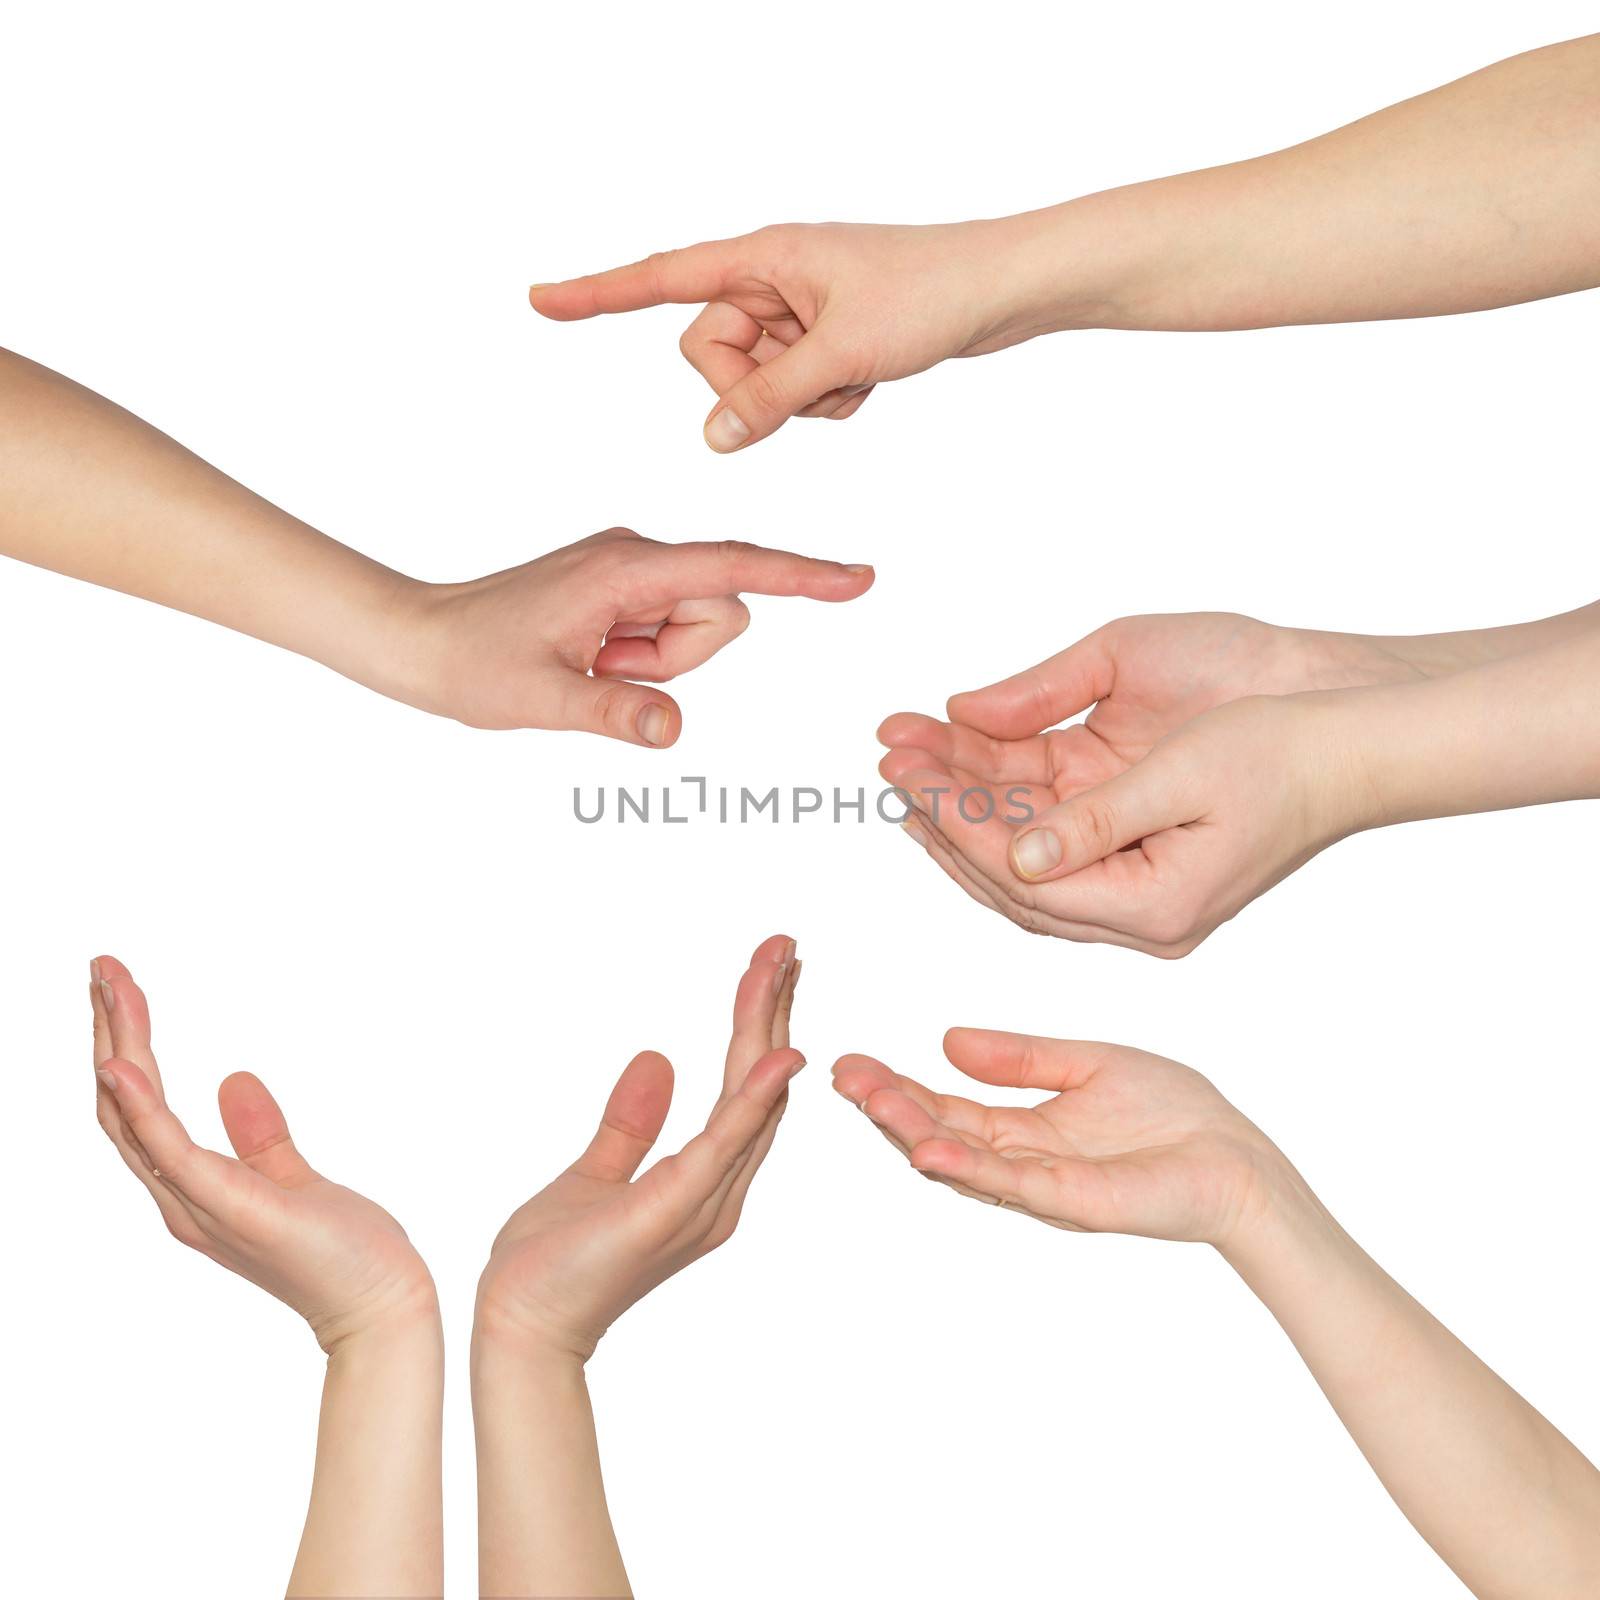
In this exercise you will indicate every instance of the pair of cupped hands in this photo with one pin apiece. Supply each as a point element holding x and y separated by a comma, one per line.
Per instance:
<point>1127,1142</point>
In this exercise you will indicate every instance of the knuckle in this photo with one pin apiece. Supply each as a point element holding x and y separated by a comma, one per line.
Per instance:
<point>656,265</point>
<point>763,390</point>
<point>611,707</point>
<point>1094,825</point>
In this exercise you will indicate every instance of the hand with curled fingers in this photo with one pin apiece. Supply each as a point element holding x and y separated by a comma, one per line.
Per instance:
<point>1127,1142</point>
<point>1203,773</point>
<point>803,320</point>
<point>601,1236</point>
<point>266,1214</point>
<point>552,644</point>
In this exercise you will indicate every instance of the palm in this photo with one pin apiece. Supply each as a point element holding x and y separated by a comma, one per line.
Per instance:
<point>1131,1143</point>
<point>573,1258</point>
<point>1148,1155</point>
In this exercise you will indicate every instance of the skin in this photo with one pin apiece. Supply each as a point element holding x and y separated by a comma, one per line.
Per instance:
<point>550,644</point>
<point>1131,1143</point>
<point>1219,754</point>
<point>574,1258</point>
<point>374,1526</point>
<point>1479,194</point>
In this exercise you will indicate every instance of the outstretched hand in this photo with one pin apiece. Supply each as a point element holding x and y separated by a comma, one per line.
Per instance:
<point>587,1246</point>
<point>339,1260</point>
<point>552,643</point>
<point>1127,1142</point>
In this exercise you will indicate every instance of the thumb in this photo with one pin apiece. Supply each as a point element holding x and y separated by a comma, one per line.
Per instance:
<point>767,396</point>
<point>616,709</point>
<point>258,1132</point>
<point>1097,823</point>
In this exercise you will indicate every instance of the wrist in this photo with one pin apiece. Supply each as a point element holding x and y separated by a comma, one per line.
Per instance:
<point>410,1321</point>
<point>1059,270</point>
<point>504,1358</point>
<point>506,1331</point>
<point>412,1347</point>
<point>1284,1225</point>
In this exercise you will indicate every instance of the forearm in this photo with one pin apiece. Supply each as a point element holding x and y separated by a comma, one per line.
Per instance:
<point>1520,731</point>
<point>1435,654</point>
<point>1504,1499</point>
<point>543,1525</point>
<point>90,491</point>
<point>1482,193</point>
<point>375,1524</point>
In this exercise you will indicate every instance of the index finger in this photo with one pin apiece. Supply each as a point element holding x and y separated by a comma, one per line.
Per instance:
<point>695,570</point>
<point>668,277</point>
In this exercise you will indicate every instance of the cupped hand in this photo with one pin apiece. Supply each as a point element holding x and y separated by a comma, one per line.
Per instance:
<point>803,320</point>
<point>1157,857</point>
<point>1126,1143</point>
<point>551,644</point>
<point>1200,777</point>
<point>585,1248</point>
<point>339,1260</point>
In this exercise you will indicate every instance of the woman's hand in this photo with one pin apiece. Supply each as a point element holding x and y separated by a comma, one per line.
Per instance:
<point>339,1260</point>
<point>548,644</point>
<point>802,320</point>
<point>1157,855</point>
<point>577,1255</point>
<point>1127,1143</point>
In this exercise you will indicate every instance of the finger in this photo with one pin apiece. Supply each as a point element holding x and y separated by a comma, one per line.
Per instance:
<point>1144,800</point>
<point>694,1174</point>
<point>858,1078</point>
<point>181,1223</point>
<point>780,1021</point>
<point>1024,1183</point>
<point>259,1133</point>
<point>971,822</point>
<point>906,1122</point>
<point>614,709</point>
<point>1039,698</point>
<point>1094,902</point>
<point>127,1018</point>
<point>199,1177</point>
<point>694,632</point>
<point>755,1008</point>
<point>953,744</point>
<point>687,571</point>
<point>632,1122</point>
<point>669,277</point>
<point>773,391</point>
<point>957,870</point>
<point>1023,1061</point>
<point>724,344</point>
<point>839,404</point>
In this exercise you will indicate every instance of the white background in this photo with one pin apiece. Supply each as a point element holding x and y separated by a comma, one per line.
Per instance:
<point>298,238</point>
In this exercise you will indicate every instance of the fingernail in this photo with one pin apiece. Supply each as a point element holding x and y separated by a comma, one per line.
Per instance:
<point>797,1066</point>
<point>94,971</point>
<point>652,725</point>
<point>109,995</point>
<point>726,431</point>
<point>788,954</point>
<point>109,1079</point>
<point>1038,850</point>
<point>858,567</point>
